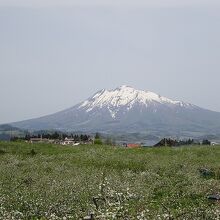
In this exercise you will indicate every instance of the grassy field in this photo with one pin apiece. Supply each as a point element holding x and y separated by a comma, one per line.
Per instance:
<point>54,182</point>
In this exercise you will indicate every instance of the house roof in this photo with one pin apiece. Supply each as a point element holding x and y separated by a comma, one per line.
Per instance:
<point>133,145</point>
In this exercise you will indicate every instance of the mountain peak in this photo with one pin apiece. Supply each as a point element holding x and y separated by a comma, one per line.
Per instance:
<point>124,87</point>
<point>126,97</point>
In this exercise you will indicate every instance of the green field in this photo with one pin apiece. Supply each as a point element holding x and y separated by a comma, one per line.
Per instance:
<point>54,182</point>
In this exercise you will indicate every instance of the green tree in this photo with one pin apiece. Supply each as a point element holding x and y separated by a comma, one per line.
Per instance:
<point>98,139</point>
<point>97,136</point>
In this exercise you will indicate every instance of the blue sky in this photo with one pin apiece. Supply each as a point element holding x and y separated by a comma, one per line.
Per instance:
<point>54,54</point>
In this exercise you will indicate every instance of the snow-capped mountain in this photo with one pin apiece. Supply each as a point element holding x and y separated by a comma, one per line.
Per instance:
<point>126,96</point>
<point>126,109</point>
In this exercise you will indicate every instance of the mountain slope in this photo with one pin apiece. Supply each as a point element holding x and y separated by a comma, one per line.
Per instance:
<point>126,109</point>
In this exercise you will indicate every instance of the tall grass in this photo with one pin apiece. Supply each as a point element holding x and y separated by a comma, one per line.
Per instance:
<point>41,181</point>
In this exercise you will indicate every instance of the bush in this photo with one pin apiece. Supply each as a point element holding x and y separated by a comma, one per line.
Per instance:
<point>2,151</point>
<point>98,141</point>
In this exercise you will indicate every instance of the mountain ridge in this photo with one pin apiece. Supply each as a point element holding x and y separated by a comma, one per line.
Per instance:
<point>126,109</point>
<point>127,96</point>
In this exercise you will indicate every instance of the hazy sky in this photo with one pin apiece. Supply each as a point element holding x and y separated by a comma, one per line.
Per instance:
<point>56,53</point>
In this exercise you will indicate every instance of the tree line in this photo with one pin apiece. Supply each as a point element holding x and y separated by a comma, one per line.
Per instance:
<point>54,136</point>
<point>172,142</point>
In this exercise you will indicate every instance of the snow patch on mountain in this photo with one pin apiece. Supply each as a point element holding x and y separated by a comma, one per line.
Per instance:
<point>126,96</point>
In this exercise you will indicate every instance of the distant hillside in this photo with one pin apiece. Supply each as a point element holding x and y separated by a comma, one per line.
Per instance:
<point>8,131</point>
<point>7,127</point>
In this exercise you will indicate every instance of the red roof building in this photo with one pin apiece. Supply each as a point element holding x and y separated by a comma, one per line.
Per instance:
<point>133,145</point>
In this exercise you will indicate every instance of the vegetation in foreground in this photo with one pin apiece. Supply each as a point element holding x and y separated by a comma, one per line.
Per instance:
<point>40,181</point>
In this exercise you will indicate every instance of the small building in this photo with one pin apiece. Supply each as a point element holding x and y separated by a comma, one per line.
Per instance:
<point>131,145</point>
<point>68,141</point>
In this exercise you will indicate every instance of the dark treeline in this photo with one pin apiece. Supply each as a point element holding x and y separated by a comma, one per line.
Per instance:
<point>55,136</point>
<point>170,142</point>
